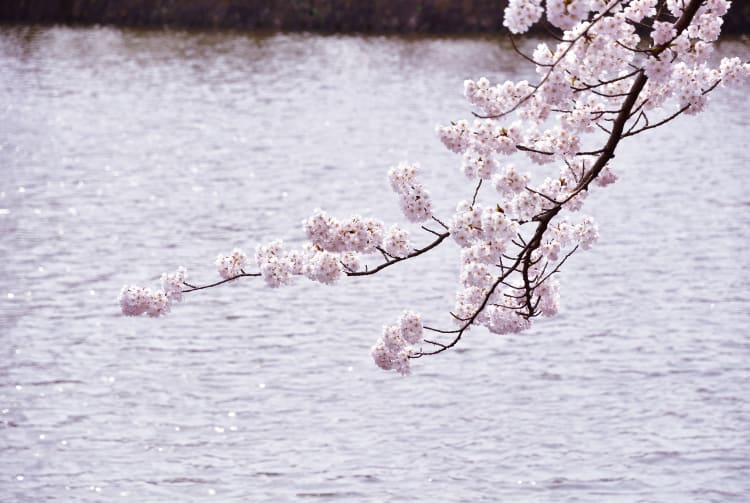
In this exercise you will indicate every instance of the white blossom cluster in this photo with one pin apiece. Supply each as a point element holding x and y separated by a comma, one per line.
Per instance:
<point>231,265</point>
<point>357,234</point>
<point>414,198</point>
<point>275,265</point>
<point>279,267</point>
<point>136,300</point>
<point>396,242</point>
<point>393,349</point>
<point>522,14</point>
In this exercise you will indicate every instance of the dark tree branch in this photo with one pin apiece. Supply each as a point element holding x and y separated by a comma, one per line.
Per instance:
<point>193,288</point>
<point>415,253</point>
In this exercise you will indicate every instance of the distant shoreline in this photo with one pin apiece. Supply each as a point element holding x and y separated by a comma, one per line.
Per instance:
<point>342,16</point>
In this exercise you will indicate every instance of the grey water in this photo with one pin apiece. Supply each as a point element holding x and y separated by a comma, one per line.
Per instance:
<point>124,154</point>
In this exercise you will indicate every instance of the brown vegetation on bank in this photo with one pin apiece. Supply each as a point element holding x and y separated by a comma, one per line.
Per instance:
<point>366,16</point>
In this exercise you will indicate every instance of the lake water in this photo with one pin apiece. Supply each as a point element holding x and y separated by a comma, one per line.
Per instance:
<point>124,154</point>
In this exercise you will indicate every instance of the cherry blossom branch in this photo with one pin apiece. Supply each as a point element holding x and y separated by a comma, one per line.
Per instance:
<point>390,260</point>
<point>525,257</point>
<point>415,253</point>
<point>510,248</point>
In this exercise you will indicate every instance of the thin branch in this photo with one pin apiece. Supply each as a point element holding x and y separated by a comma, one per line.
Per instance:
<point>590,152</point>
<point>524,148</point>
<point>387,256</point>
<point>630,132</point>
<point>430,230</point>
<point>638,108</point>
<point>476,192</point>
<point>431,329</point>
<point>643,51</point>
<point>545,196</point>
<point>657,124</point>
<point>193,288</point>
<point>589,87</point>
<point>641,115</point>
<point>608,131</point>
<point>558,266</point>
<point>415,253</point>
<point>598,93</point>
<point>524,55</point>
<point>440,223</point>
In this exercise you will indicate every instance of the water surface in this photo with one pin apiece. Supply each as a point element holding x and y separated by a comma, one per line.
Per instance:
<point>127,153</point>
